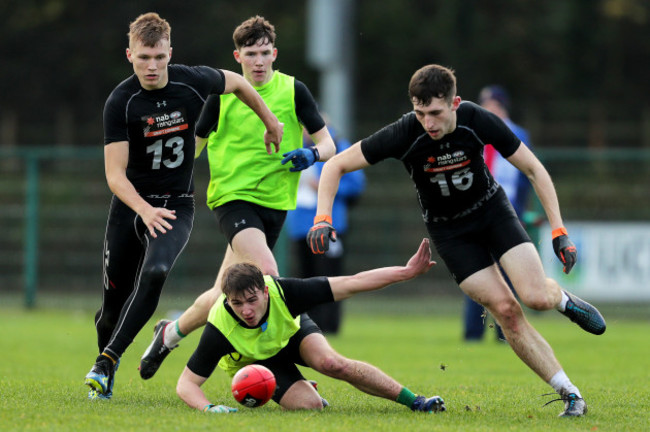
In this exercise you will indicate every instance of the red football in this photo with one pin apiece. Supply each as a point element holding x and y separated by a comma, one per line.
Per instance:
<point>253,385</point>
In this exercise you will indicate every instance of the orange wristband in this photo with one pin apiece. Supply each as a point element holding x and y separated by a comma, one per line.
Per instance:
<point>323,218</point>
<point>558,232</point>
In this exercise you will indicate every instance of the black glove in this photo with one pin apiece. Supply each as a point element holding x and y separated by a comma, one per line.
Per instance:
<point>319,236</point>
<point>564,249</point>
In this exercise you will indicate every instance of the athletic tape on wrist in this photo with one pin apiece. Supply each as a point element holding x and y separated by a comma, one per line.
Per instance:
<point>558,232</point>
<point>323,218</point>
<point>316,153</point>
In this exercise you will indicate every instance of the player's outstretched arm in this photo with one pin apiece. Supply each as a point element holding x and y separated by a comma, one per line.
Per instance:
<point>346,286</point>
<point>238,85</point>
<point>189,390</point>
<point>351,159</point>
<point>527,162</point>
<point>324,143</point>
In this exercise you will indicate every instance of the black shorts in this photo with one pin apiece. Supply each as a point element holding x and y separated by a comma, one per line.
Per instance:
<point>283,364</point>
<point>235,216</point>
<point>478,240</point>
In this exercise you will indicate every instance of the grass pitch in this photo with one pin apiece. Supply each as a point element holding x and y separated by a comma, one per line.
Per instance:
<point>45,354</point>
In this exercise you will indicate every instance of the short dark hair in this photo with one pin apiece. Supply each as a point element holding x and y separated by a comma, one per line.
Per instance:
<point>149,28</point>
<point>253,30</point>
<point>432,81</point>
<point>241,278</point>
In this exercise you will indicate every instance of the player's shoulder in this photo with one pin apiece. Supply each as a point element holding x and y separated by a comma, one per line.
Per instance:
<point>468,111</point>
<point>299,86</point>
<point>408,122</point>
<point>520,131</point>
<point>476,118</point>
<point>124,90</point>
<point>191,74</point>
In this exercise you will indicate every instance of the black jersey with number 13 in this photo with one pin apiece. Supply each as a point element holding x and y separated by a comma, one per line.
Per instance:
<point>159,126</point>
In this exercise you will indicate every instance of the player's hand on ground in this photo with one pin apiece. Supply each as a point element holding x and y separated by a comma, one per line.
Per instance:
<point>273,138</point>
<point>564,249</point>
<point>319,236</point>
<point>155,219</point>
<point>420,263</point>
<point>219,409</point>
<point>301,158</point>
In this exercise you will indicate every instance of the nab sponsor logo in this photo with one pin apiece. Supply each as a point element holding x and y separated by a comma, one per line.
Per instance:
<point>164,123</point>
<point>446,162</point>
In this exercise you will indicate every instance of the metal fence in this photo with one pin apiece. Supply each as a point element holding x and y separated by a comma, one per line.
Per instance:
<point>54,202</point>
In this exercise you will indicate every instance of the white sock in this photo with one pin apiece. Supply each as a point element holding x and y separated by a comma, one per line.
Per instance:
<point>562,305</point>
<point>172,335</point>
<point>562,384</point>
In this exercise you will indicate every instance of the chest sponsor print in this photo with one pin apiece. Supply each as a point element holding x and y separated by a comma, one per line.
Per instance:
<point>446,162</point>
<point>154,125</point>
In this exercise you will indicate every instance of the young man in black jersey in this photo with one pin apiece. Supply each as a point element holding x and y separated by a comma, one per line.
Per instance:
<point>260,319</point>
<point>469,217</point>
<point>250,191</point>
<point>149,122</point>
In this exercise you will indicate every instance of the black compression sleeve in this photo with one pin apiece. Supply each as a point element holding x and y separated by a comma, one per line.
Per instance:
<point>212,346</point>
<point>303,294</point>
<point>209,119</point>
<point>307,109</point>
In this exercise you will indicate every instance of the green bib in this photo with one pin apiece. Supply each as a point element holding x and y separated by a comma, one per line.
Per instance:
<point>240,168</point>
<point>255,344</point>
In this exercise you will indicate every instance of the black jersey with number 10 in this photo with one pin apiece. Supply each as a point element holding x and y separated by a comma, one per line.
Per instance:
<point>450,174</point>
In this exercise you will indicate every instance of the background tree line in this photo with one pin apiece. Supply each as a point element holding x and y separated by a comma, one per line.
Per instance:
<point>561,59</point>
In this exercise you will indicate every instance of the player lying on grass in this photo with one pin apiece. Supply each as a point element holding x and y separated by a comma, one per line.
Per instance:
<point>260,319</point>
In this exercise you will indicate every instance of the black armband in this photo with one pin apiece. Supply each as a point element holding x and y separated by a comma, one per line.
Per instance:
<point>316,154</point>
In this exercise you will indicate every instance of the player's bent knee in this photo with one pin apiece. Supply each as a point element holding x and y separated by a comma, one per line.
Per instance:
<point>507,312</point>
<point>334,366</point>
<point>310,403</point>
<point>538,299</point>
<point>301,396</point>
<point>269,268</point>
<point>155,274</point>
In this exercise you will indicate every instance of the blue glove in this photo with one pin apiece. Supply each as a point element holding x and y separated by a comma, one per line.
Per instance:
<point>302,158</point>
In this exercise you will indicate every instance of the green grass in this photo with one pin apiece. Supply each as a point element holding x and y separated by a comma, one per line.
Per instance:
<point>45,353</point>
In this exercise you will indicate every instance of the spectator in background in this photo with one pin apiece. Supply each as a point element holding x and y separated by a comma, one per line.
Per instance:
<point>496,99</point>
<point>299,221</point>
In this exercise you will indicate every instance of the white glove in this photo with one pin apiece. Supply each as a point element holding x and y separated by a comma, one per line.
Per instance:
<point>218,409</point>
